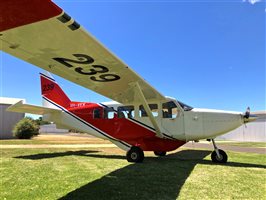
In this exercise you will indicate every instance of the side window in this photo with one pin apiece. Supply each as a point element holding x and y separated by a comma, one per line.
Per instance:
<point>170,110</point>
<point>126,112</point>
<point>142,111</point>
<point>96,113</point>
<point>109,113</point>
<point>154,110</point>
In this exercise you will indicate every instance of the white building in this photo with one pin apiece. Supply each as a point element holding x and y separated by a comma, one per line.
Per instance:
<point>8,119</point>
<point>51,128</point>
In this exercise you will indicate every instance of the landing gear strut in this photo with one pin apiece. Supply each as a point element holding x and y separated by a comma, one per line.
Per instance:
<point>135,154</point>
<point>218,155</point>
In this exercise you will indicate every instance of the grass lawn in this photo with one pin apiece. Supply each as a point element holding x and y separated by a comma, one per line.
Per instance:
<point>105,174</point>
<point>244,144</point>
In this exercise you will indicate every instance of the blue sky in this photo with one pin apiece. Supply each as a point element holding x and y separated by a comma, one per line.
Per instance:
<point>208,54</point>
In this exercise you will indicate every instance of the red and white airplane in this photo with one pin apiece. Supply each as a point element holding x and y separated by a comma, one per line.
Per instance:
<point>41,33</point>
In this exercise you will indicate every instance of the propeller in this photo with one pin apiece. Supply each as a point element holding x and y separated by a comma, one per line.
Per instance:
<point>249,117</point>
<point>247,113</point>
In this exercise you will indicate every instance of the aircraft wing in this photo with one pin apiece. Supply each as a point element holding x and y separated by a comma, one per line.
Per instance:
<point>41,33</point>
<point>20,107</point>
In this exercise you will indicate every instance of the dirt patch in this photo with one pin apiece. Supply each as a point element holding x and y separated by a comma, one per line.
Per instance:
<point>71,139</point>
<point>60,146</point>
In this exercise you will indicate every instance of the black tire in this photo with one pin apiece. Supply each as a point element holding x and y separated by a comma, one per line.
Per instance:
<point>216,159</point>
<point>160,153</point>
<point>135,154</point>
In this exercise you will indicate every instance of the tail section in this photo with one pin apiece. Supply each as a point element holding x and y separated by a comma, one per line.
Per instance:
<point>52,93</point>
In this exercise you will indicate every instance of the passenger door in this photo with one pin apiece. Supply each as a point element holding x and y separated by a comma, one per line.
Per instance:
<point>172,120</point>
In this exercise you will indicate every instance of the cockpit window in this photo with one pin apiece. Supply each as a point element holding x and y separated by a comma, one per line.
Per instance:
<point>185,106</point>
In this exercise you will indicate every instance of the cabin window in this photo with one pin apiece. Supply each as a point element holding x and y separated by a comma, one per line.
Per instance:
<point>96,113</point>
<point>154,110</point>
<point>170,110</point>
<point>126,112</point>
<point>142,111</point>
<point>109,113</point>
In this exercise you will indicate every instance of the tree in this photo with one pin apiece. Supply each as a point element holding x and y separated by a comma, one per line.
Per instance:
<point>41,122</point>
<point>26,128</point>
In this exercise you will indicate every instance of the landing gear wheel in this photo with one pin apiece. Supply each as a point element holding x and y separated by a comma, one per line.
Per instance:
<point>217,159</point>
<point>135,154</point>
<point>160,153</point>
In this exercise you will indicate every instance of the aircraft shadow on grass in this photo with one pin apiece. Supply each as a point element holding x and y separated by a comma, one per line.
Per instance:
<point>151,179</point>
<point>57,154</point>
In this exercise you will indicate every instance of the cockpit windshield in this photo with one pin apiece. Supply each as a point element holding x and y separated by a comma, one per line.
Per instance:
<point>185,106</point>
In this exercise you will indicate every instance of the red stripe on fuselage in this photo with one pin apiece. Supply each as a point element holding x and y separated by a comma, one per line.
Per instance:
<point>124,129</point>
<point>15,13</point>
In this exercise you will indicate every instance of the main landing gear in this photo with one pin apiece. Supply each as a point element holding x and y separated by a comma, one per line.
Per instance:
<point>135,154</point>
<point>218,155</point>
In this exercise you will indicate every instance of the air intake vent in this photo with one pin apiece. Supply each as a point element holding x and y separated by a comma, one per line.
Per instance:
<point>64,18</point>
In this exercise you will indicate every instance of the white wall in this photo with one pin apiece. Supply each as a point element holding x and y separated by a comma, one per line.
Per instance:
<point>250,132</point>
<point>51,128</point>
<point>7,121</point>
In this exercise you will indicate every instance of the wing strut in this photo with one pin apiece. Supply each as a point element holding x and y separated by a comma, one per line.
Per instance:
<point>148,110</point>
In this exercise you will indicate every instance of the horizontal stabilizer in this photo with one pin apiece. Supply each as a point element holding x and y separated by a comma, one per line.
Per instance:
<point>20,107</point>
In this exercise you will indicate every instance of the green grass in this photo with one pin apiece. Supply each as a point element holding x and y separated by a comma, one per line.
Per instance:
<point>36,141</point>
<point>244,144</point>
<point>94,174</point>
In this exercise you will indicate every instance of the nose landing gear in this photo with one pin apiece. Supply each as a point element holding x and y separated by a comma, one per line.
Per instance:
<point>218,155</point>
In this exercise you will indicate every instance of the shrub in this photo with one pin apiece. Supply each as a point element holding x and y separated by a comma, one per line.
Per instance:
<point>25,129</point>
<point>41,122</point>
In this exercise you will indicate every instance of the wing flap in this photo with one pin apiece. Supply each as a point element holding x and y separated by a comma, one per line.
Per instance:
<point>20,107</point>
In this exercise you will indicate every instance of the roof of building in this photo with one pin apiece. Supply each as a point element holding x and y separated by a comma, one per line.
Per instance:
<point>9,101</point>
<point>260,112</point>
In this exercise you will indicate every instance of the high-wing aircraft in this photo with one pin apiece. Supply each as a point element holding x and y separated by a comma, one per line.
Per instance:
<point>140,119</point>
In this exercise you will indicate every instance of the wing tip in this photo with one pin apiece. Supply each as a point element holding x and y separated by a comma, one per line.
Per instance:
<point>35,11</point>
<point>14,106</point>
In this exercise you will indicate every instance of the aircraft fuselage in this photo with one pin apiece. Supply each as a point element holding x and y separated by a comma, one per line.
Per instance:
<point>128,126</point>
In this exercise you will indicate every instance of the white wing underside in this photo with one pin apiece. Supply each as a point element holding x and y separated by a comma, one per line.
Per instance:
<point>20,107</point>
<point>78,57</point>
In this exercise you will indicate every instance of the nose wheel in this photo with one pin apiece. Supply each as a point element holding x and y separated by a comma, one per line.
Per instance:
<point>218,155</point>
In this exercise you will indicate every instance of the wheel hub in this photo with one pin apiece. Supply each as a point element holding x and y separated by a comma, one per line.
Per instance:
<point>134,155</point>
<point>219,158</point>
